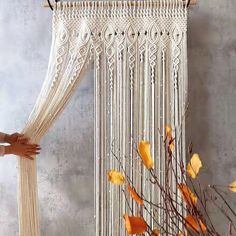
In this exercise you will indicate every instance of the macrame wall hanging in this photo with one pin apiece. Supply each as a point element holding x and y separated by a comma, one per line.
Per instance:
<point>140,63</point>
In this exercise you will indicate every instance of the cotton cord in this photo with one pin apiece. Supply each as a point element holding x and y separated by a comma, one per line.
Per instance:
<point>140,72</point>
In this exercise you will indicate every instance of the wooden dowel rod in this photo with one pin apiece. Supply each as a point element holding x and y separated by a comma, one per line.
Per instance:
<point>192,2</point>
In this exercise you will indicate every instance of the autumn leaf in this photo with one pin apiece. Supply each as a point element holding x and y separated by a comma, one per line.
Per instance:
<point>168,129</point>
<point>180,234</point>
<point>232,186</point>
<point>155,232</point>
<point>145,154</point>
<point>134,195</point>
<point>172,145</point>
<point>135,225</point>
<point>189,197</point>
<point>194,166</point>
<point>194,224</point>
<point>116,177</point>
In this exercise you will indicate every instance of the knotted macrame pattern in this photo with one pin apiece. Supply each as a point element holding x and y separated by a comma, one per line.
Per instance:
<point>140,79</point>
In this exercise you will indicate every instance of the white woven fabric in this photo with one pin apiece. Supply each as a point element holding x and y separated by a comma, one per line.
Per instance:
<point>140,57</point>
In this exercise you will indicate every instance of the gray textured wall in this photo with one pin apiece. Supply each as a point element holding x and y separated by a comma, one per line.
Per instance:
<point>211,122</point>
<point>66,164</point>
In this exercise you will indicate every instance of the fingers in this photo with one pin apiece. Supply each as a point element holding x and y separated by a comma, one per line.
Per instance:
<point>33,149</point>
<point>17,135</point>
<point>27,150</point>
<point>32,152</point>
<point>19,138</point>
<point>23,140</point>
<point>33,146</point>
<point>28,157</point>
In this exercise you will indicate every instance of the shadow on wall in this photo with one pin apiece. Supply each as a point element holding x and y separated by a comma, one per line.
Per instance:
<point>199,62</point>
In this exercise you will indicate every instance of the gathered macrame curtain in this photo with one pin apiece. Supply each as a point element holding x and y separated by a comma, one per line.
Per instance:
<point>140,63</point>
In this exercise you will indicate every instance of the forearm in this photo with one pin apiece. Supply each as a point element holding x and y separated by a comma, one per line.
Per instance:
<point>5,138</point>
<point>2,150</point>
<point>8,150</point>
<point>2,137</point>
<point>5,150</point>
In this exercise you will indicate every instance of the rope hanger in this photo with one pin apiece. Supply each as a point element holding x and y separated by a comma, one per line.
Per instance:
<point>49,4</point>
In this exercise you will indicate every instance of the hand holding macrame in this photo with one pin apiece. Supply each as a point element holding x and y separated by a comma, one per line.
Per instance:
<point>23,150</point>
<point>16,137</point>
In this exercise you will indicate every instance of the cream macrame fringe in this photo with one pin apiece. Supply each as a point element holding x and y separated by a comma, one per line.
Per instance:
<point>140,57</point>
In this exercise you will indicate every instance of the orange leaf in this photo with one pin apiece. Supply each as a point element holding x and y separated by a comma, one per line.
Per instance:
<point>145,154</point>
<point>168,132</point>
<point>194,224</point>
<point>232,186</point>
<point>155,232</point>
<point>189,197</point>
<point>172,145</point>
<point>115,177</point>
<point>180,234</point>
<point>134,195</point>
<point>135,225</point>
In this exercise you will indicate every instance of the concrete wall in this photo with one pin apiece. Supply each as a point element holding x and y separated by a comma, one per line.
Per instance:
<point>211,123</point>
<point>66,164</point>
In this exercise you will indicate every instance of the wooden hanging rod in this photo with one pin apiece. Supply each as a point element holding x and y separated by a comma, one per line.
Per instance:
<point>192,2</point>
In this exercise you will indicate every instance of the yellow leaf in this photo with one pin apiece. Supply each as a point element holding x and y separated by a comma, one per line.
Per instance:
<point>194,166</point>
<point>135,225</point>
<point>172,145</point>
<point>115,177</point>
<point>232,186</point>
<point>168,132</point>
<point>194,224</point>
<point>145,154</point>
<point>134,195</point>
<point>189,197</point>
<point>155,232</point>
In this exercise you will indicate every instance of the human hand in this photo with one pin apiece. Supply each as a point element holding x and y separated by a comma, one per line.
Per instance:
<point>23,150</point>
<point>16,137</point>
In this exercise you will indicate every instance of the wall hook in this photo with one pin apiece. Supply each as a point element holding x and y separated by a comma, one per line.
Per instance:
<point>50,5</point>
<point>188,3</point>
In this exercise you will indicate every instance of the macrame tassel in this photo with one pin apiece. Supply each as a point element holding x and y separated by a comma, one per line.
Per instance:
<point>140,80</point>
